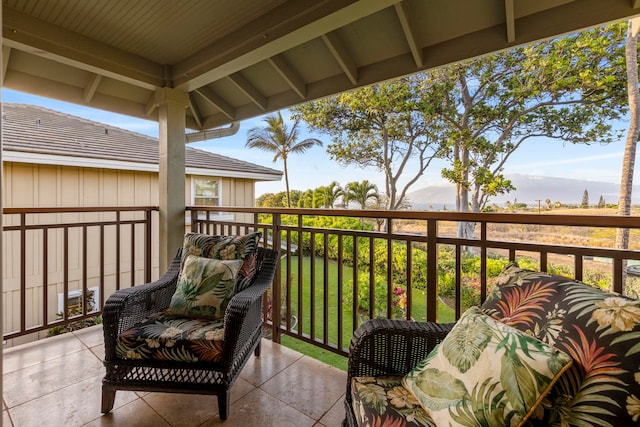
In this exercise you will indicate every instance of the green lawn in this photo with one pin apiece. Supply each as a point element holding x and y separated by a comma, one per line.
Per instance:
<point>445,314</point>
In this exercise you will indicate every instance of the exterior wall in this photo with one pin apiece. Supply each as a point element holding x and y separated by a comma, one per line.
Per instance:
<point>32,185</point>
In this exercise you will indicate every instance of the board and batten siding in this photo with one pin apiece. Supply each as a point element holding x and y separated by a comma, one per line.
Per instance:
<point>28,185</point>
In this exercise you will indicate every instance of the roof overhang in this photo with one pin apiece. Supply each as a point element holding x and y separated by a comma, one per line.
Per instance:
<point>239,59</point>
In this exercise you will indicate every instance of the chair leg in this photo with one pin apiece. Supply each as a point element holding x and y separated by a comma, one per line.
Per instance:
<point>257,350</point>
<point>223,404</point>
<point>108,399</point>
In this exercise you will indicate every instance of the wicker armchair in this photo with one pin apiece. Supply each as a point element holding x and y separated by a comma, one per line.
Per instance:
<point>382,347</point>
<point>242,334</point>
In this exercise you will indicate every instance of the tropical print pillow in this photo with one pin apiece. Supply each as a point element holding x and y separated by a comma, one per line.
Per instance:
<point>226,248</point>
<point>205,287</point>
<point>599,330</point>
<point>485,373</point>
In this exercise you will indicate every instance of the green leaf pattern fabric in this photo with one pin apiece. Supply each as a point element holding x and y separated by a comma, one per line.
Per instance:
<point>205,287</point>
<point>599,330</point>
<point>384,402</point>
<point>164,337</point>
<point>485,373</point>
<point>243,247</point>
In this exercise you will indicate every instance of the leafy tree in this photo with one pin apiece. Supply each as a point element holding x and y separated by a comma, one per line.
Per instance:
<point>277,200</point>
<point>382,127</point>
<point>548,203</point>
<point>585,200</point>
<point>568,89</point>
<point>362,193</point>
<point>277,138</point>
<point>328,195</point>
<point>629,158</point>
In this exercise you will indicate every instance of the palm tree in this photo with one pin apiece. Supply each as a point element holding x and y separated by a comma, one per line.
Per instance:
<point>362,192</point>
<point>329,194</point>
<point>277,138</point>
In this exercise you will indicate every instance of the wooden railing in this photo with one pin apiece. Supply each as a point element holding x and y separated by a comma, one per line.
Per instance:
<point>319,298</point>
<point>50,253</point>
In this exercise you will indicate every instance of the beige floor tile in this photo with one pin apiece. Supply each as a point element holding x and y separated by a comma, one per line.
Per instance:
<point>173,406</point>
<point>33,353</point>
<point>6,419</point>
<point>185,410</point>
<point>91,336</point>
<point>334,417</point>
<point>134,414</point>
<point>309,385</point>
<point>46,377</point>
<point>259,409</point>
<point>273,359</point>
<point>74,405</point>
<point>98,350</point>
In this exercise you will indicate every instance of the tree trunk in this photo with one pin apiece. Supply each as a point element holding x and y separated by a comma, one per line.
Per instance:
<point>286,182</point>
<point>628,161</point>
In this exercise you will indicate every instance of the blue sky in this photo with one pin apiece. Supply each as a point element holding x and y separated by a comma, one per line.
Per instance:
<point>540,157</point>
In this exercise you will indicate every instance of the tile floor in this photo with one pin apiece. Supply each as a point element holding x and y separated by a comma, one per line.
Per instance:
<point>56,382</point>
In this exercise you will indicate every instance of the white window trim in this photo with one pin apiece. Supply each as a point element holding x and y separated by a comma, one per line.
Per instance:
<point>213,215</point>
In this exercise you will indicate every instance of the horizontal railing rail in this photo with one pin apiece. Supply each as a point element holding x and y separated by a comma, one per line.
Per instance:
<point>400,263</point>
<point>52,254</point>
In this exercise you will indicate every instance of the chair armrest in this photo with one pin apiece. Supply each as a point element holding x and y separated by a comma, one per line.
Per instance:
<point>126,307</point>
<point>244,312</point>
<point>391,347</point>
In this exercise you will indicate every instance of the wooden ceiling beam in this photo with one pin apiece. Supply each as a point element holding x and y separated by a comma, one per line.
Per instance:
<point>197,117</point>
<point>6,54</point>
<point>91,87</point>
<point>510,20</point>
<point>289,75</point>
<point>293,23</point>
<point>409,32</point>
<point>41,38</point>
<point>249,90</point>
<point>339,52</point>
<point>216,100</point>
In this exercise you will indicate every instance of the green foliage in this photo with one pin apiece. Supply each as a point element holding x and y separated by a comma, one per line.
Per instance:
<point>380,127</point>
<point>276,137</point>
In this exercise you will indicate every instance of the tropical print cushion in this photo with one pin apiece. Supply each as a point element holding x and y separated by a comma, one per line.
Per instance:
<point>168,337</point>
<point>383,401</point>
<point>485,373</point>
<point>205,287</point>
<point>599,330</point>
<point>226,248</point>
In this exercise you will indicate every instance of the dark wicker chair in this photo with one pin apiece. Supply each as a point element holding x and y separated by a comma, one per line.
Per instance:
<point>381,347</point>
<point>242,334</point>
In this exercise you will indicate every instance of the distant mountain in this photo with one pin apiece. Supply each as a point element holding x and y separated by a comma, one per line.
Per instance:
<point>529,189</point>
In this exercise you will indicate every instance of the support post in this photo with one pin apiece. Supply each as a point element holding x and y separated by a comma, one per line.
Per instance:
<point>171,183</point>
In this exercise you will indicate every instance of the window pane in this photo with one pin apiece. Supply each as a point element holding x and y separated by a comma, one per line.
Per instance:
<point>206,188</point>
<point>206,201</point>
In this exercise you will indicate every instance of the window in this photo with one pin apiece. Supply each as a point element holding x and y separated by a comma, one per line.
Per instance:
<point>206,192</point>
<point>74,299</point>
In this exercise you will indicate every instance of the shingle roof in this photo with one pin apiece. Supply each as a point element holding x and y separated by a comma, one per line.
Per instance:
<point>38,130</point>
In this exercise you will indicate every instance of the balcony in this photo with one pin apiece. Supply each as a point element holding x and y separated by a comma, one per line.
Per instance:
<point>330,279</point>
<point>56,382</point>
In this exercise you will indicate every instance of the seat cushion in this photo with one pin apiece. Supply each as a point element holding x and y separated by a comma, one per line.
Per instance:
<point>226,248</point>
<point>168,337</point>
<point>599,330</point>
<point>383,401</point>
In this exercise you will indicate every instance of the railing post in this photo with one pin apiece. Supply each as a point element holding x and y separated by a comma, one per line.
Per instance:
<point>276,291</point>
<point>147,246</point>
<point>432,270</point>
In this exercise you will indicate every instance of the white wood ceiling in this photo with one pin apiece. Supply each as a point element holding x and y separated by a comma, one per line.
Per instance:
<point>242,58</point>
